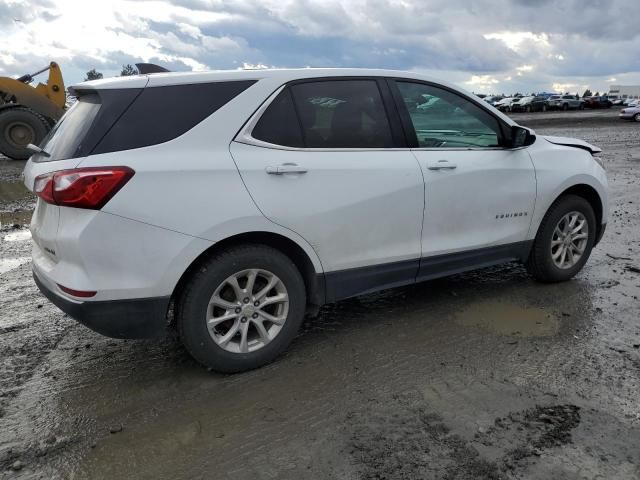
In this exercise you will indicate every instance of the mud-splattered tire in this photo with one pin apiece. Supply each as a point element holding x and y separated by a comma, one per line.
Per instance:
<point>220,288</point>
<point>20,126</point>
<point>541,263</point>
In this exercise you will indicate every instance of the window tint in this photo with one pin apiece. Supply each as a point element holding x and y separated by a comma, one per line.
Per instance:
<point>160,114</point>
<point>68,135</point>
<point>342,114</point>
<point>279,124</point>
<point>442,119</point>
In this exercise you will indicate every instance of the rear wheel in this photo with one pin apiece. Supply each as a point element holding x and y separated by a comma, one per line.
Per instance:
<point>564,241</point>
<point>20,126</point>
<point>636,117</point>
<point>241,308</point>
<point>544,108</point>
<point>565,106</point>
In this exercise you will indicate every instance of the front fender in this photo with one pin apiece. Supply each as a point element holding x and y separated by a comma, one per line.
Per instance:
<point>559,168</point>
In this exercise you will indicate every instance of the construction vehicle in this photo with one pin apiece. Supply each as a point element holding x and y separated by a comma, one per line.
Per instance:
<point>28,113</point>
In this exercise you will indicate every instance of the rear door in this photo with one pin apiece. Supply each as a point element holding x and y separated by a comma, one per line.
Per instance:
<point>479,194</point>
<point>321,158</point>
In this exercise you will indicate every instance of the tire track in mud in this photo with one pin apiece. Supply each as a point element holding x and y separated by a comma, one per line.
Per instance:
<point>402,439</point>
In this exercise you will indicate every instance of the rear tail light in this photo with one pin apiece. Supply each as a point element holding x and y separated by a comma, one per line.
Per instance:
<point>77,293</point>
<point>90,187</point>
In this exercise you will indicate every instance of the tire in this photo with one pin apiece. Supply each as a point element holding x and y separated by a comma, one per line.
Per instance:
<point>544,108</point>
<point>565,106</point>
<point>528,109</point>
<point>20,126</point>
<point>211,278</point>
<point>540,263</point>
<point>636,117</point>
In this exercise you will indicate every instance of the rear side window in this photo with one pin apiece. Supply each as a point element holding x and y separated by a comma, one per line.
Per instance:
<point>279,123</point>
<point>160,114</point>
<point>342,114</point>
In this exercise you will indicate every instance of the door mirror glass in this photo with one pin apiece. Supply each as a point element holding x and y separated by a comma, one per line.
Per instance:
<point>521,137</point>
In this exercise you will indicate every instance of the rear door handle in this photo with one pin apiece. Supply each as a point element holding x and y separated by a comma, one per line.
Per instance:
<point>442,165</point>
<point>285,168</point>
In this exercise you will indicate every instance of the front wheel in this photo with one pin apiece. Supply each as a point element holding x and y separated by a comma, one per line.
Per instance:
<point>241,308</point>
<point>564,241</point>
<point>636,117</point>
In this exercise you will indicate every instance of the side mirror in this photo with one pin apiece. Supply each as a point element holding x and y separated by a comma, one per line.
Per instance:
<point>521,137</point>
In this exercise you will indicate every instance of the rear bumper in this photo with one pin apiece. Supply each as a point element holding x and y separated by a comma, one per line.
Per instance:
<point>132,318</point>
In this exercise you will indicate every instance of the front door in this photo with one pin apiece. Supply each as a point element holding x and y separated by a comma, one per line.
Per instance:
<point>479,195</point>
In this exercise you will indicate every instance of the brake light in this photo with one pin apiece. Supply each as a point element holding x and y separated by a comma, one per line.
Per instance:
<point>90,187</point>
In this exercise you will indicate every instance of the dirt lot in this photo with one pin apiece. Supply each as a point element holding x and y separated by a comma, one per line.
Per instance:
<point>486,375</point>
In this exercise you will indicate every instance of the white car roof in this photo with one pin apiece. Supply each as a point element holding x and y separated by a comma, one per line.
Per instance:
<point>286,75</point>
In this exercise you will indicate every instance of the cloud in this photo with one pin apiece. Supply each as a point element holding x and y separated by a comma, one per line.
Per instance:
<point>484,45</point>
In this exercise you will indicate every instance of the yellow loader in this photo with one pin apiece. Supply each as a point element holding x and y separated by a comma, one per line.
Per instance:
<point>28,113</point>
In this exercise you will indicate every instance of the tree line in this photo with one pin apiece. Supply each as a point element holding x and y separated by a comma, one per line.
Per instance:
<point>127,70</point>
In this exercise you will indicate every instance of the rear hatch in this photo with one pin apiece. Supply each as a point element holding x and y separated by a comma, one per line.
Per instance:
<point>73,138</point>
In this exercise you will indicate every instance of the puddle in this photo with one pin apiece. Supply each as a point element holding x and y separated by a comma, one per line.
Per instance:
<point>7,264</point>
<point>13,191</point>
<point>18,236</point>
<point>15,218</point>
<point>509,319</point>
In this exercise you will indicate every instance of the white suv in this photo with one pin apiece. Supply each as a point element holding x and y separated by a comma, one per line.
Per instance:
<point>247,198</point>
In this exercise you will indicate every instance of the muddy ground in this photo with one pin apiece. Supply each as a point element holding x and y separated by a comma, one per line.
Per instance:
<point>486,375</point>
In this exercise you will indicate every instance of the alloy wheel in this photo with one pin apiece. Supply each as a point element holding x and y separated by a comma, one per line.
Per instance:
<point>569,240</point>
<point>247,311</point>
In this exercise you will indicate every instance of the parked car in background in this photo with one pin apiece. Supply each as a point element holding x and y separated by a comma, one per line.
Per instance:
<point>630,113</point>
<point>634,102</point>
<point>629,101</point>
<point>530,104</point>
<point>617,101</point>
<point>492,100</point>
<point>597,102</point>
<point>505,104</point>
<point>564,102</point>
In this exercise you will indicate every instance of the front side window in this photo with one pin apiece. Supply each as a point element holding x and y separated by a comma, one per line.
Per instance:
<point>342,114</point>
<point>442,119</point>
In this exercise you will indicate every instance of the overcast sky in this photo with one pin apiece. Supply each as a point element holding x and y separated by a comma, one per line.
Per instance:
<point>482,45</point>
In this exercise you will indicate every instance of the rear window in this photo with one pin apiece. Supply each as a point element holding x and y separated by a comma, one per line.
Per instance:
<point>342,114</point>
<point>65,139</point>
<point>279,124</point>
<point>326,114</point>
<point>112,120</point>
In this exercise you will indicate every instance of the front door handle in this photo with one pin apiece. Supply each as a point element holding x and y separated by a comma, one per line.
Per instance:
<point>442,165</point>
<point>285,168</point>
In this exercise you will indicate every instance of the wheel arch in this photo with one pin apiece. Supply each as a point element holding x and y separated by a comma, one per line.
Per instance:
<point>314,281</point>
<point>591,195</point>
